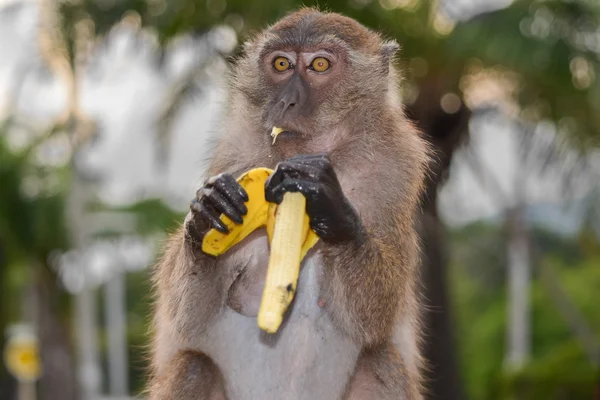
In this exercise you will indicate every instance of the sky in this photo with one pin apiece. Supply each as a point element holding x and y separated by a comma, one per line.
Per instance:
<point>125,94</point>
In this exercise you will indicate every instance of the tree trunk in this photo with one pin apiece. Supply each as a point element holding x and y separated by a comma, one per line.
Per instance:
<point>444,381</point>
<point>7,382</point>
<point>58,379</point>
<point>445,132</point>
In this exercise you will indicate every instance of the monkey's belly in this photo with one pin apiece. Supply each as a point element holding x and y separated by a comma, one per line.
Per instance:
<point>306,359</point>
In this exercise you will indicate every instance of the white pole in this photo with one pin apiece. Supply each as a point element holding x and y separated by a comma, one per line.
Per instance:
<point>26,391</point>
<point>114,304</point>
<point>518,292</point>
<point>89,367</point>
<point>90,374</point>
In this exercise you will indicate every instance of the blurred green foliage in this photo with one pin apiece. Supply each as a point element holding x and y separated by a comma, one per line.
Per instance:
<point>32,209</point>
<point>33,225</point>
<point>559,367</point>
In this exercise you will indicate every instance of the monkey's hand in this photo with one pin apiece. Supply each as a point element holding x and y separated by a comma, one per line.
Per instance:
<point>221,194</point>
<point>332,217</point>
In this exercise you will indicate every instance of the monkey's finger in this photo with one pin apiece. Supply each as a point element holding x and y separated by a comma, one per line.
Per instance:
<point>232,191</point>
<point>298,170</point>
<point>209,214</point>
<point>293,170</point>
<point>309,157</point>
<point>222,204</point>
<point>226,180</point>
<point>317,160</point>
<point>273,180</point>
<point>234,184</point>
<point>309,189</point>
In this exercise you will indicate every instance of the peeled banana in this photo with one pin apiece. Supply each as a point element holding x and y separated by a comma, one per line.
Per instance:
<point>290,238</point>
<point>289,233</point>
<point>275,132</point>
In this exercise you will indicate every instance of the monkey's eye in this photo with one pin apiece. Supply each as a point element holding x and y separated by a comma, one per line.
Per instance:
<point>320,64</point>
<point>282,64</point>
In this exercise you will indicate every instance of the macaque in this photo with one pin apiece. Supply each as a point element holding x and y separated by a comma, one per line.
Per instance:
<point>352,331</point>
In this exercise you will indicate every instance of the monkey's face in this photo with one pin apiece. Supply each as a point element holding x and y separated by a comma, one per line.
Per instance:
<point>303,83</point>
<point>312,70</point>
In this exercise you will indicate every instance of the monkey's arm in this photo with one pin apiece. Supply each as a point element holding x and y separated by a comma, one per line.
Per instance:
<point>370,248</point>
<point>189,297</point>
<point>189,288</point>
<point>190,284</point>
<point>367,283</point>
<point>370,284</point>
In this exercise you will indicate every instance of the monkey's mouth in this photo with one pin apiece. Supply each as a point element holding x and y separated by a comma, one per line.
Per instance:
<point>287,134</point>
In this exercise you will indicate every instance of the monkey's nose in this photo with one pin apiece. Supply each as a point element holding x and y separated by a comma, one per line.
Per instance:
<point>287,103</point>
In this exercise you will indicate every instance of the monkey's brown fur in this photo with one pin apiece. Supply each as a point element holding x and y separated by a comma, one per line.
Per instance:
<point>368,292</point>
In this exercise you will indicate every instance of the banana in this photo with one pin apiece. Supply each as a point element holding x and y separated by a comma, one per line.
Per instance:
<point>289,233</point>
<point>290,238</point>
<point>216,243</point>
<point>275,132</point>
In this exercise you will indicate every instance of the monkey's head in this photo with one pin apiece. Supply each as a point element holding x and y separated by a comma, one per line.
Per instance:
<point>312,70</point>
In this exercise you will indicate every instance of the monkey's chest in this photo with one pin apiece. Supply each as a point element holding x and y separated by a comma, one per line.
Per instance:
<point>308,358</point>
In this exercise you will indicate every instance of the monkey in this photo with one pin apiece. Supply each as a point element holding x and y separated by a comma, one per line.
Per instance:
<point>352,331</point>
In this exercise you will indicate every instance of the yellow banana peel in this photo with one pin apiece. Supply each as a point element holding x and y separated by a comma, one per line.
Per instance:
<point>216,243</point>
<point>290,238</point>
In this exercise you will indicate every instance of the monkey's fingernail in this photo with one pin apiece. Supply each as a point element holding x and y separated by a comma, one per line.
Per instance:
<point>220,226</point>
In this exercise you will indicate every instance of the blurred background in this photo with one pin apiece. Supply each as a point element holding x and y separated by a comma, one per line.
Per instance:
<point>105,108</point>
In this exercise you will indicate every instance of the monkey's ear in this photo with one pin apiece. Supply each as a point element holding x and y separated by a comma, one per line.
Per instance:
<point>388,50</point>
